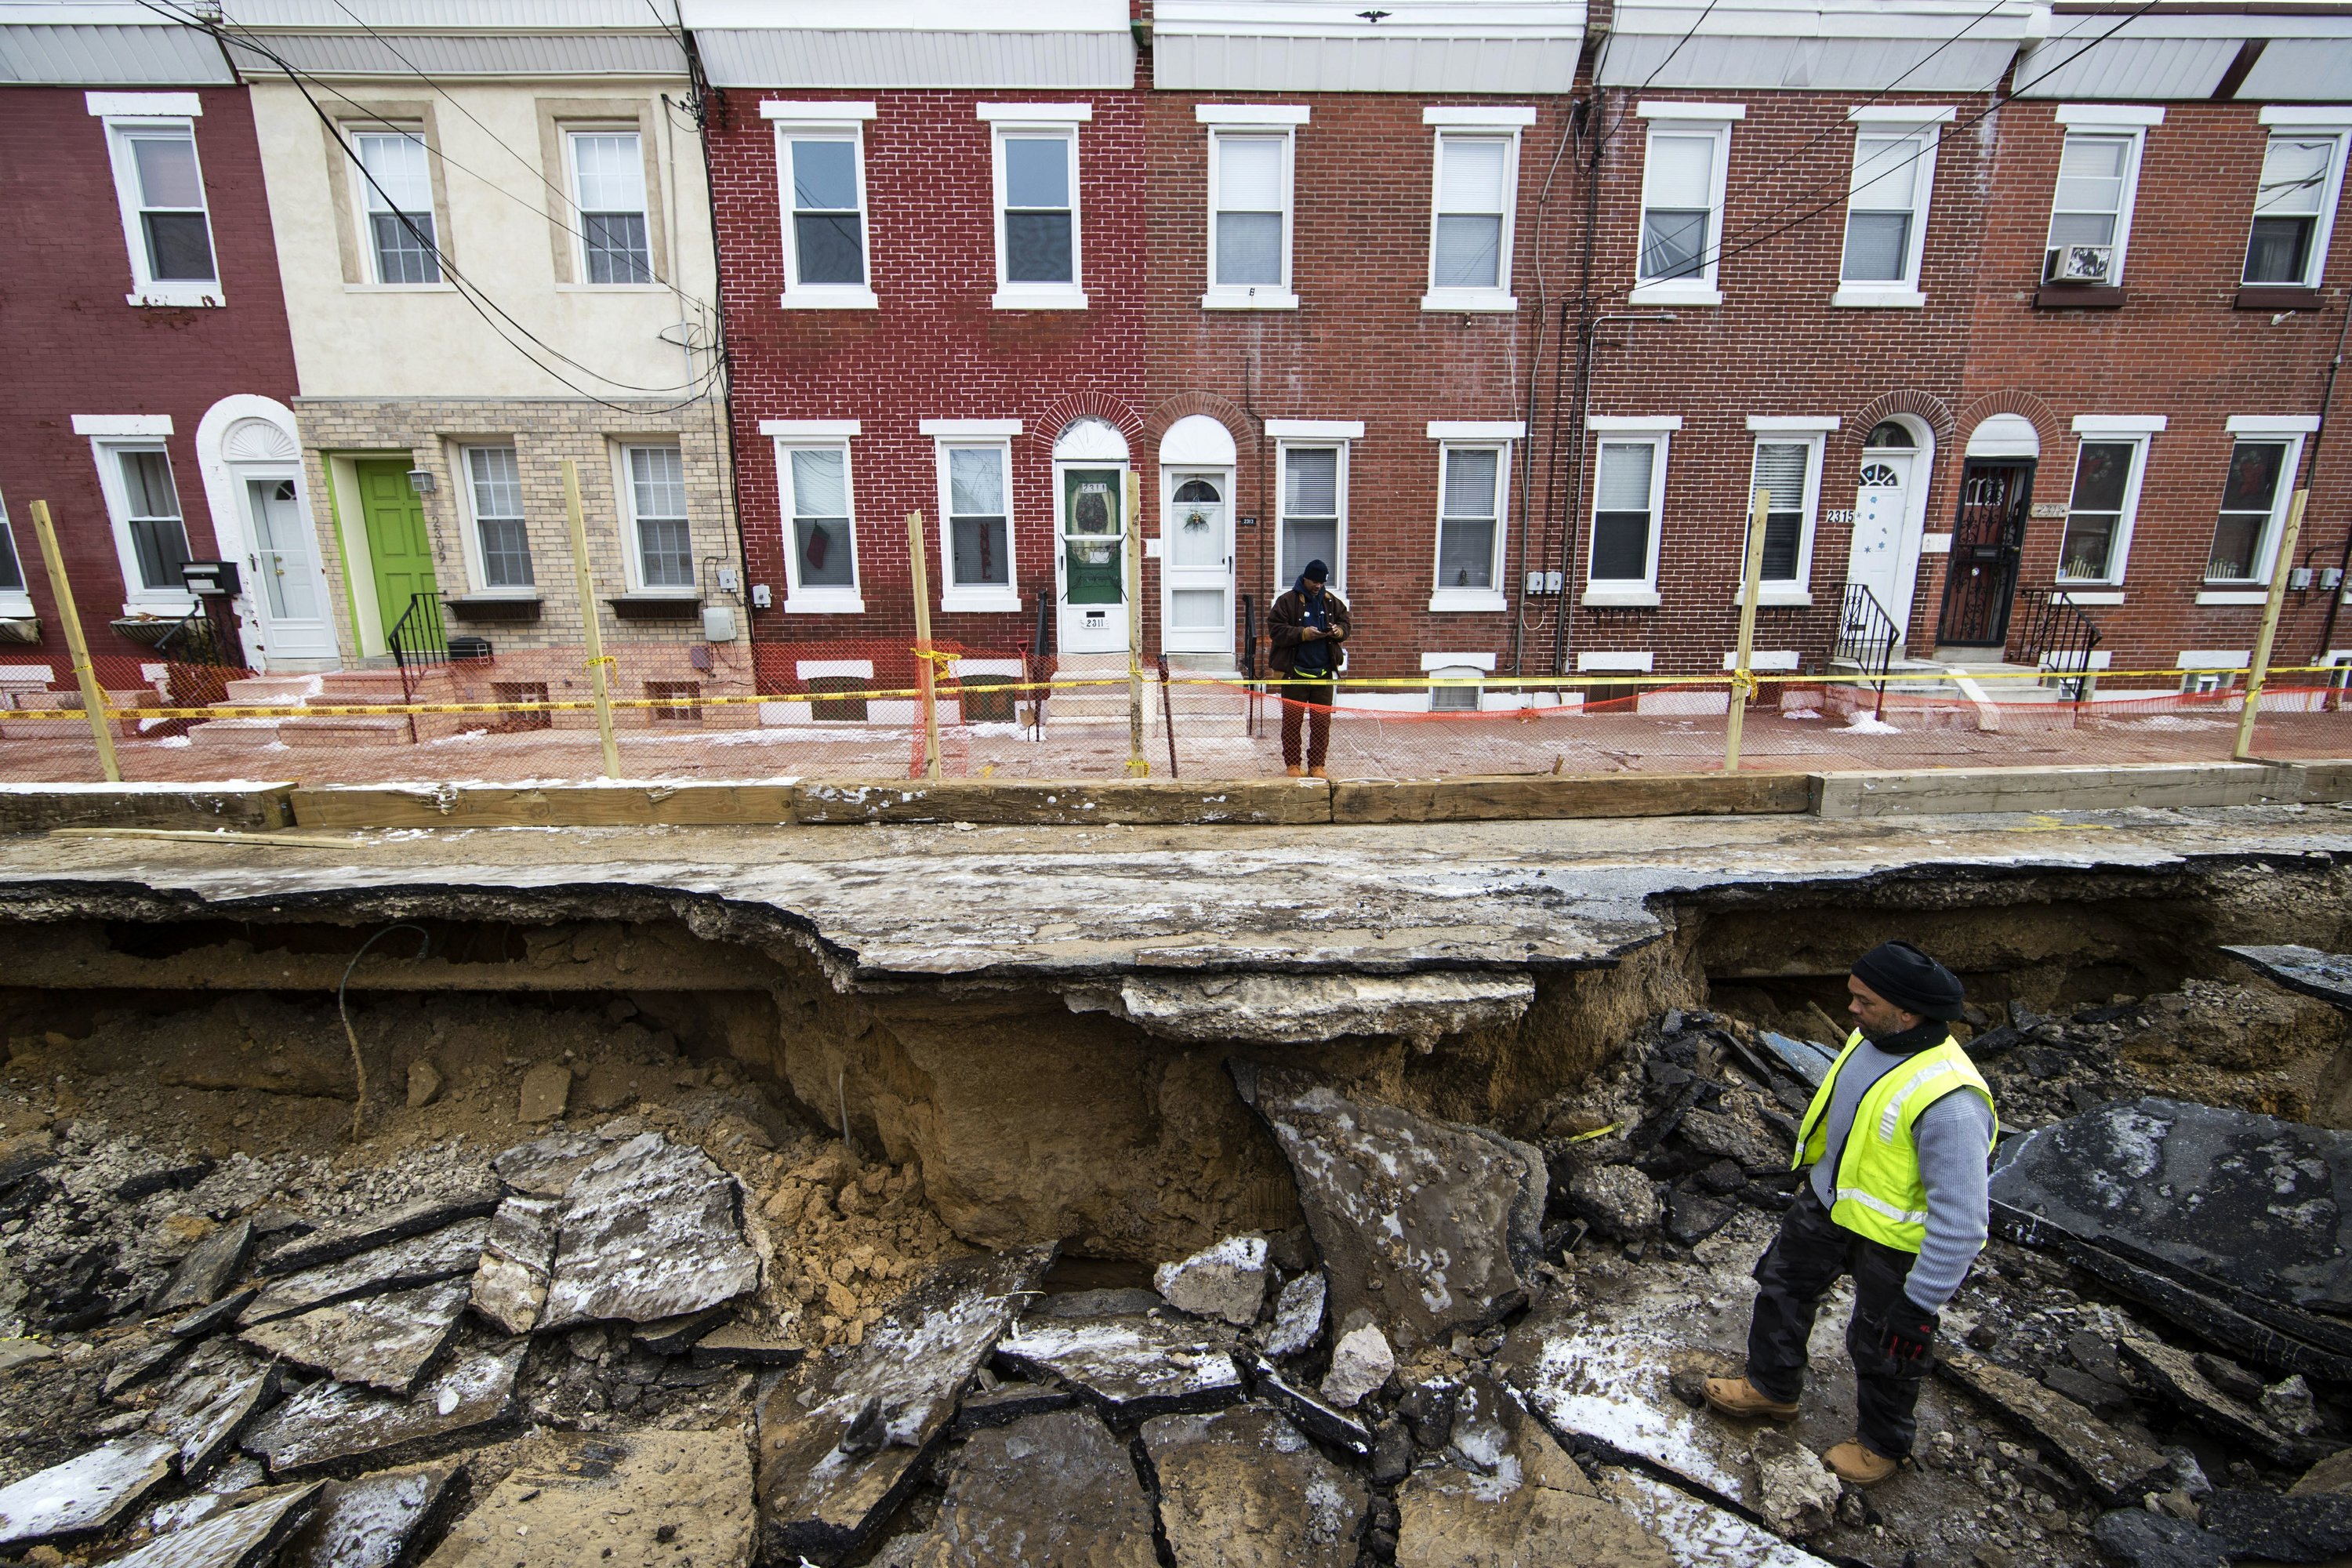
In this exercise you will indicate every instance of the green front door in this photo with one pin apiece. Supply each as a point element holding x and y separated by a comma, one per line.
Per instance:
<point>400,551</point>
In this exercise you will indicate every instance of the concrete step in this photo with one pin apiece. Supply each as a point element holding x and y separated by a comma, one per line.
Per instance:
<point>233,734</point>
<point>344,729</point>
<point>253,690</point>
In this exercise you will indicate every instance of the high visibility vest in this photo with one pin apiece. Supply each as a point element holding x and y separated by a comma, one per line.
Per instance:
<point>1878,1192</point>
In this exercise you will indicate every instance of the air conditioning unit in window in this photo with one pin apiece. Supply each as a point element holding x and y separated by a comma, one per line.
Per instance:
<point>2078,263</point>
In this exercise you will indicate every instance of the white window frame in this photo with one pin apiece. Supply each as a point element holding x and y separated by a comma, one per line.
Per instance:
<point>1627,593</point>
<point>835,121</point>
<point>821,435</point>
<point>110,436</point>
<point>1464,435</point>
<point>572,132</point>
<point>2293,429</point>
<point>1673,119</point>
<point>1494,123</point>
<point>1796,593</point>
<point>1340,435</point>
<point>119,114</point>
<point>632,541</point>
<point>2130,123</point>
<point>477,577</point>
<point>1274,120</point>
<point>2334,120</point>
<point>362,217</point>
<point>17,602</point>
<point>974,435</point>
<point>1925,126</point>
<point>2140,431</point>
<point>1059,120</point>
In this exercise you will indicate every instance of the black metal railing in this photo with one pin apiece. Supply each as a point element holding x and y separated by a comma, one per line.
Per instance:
<point>418,640</point>
<point>1867,636</point>
<point>1041,660</point>
<point>2056,634</point>
<point>197,639</point>
<point>1249,660</point>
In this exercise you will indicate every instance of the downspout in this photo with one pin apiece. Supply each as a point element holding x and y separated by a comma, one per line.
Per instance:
<point>1535,380</point>
<point>1564,627</point>
<point>709,109</point>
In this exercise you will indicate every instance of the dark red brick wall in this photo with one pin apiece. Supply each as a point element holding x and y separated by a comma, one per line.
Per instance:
<point>935,349</point>
<point>75,347</point>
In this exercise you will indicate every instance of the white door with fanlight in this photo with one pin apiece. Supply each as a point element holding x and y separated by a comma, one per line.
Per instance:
<point>1196,560</point>
<point>1889,514</point>
<point>285,591</point>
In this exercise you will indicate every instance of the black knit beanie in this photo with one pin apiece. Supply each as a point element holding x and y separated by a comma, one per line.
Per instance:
<point>1911,980</point>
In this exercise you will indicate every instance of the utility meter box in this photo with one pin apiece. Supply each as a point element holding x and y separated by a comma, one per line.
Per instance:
<point>719,623</point>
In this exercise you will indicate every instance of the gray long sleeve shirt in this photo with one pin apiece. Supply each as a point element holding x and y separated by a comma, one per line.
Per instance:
<point>1954,1137</point>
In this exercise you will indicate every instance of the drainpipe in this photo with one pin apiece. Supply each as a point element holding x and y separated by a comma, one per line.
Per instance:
<point>1576,108</point>
<point>2310,479</point>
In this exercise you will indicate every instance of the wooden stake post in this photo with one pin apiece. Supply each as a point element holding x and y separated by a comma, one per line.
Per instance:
<point>93,697</point>
<point>2259,670</point>
<point>1751,587</point>
<point>600,668</point>
<point>1137,765</point>
<point>926,668</point>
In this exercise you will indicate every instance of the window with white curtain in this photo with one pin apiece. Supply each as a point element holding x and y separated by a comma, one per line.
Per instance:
<point>1249,218</point>
<point>2303,174</point>
<point>976,482</point>
<point>1470,227</point>
<point>150,513</point>
<point>608,192</point>
<point>1314,507</point>
<point>821,560</point>
<point>656,499</point>
<point>394,182</point>
<point>1682,206</point>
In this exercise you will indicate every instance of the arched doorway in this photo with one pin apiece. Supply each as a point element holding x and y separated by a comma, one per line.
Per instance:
<point>1989,532</point>
<point>1196,539</point>
<point>1091,523</point>
<point>1890,513</point>
<point>251,460</point>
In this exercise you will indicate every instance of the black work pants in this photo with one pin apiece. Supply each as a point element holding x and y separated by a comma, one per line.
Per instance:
<point>1795,1272</point>
<point>1317,718</point>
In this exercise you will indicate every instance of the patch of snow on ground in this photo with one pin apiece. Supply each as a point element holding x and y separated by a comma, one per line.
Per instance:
<point>1697,1534</point>
<point>1863,724</point>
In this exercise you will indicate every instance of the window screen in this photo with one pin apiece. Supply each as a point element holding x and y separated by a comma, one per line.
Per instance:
<point>1467,247</point>
<point>1621,516</point>
<point>1882,208</point>
<point>1678,197</point>
<point>1249,215</point>
<point>2287,208</point>
<point>1039,222</point>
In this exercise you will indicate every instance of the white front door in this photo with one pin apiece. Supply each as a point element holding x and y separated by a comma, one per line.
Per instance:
<point>1196,560</point>
<point>285,591</point>
<point>1885,553</point>
<point>1090,565</point>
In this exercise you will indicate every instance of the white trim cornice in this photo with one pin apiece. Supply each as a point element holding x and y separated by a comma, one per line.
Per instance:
<point>1251,113</point>
<point>816,111</point>
<point>812,428</point>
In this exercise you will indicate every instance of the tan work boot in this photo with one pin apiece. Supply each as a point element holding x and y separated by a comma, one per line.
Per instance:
<point>1855,1463</point>
<point>1295,771</point>
<point>1736,1397</point>
<point>1317,773</point>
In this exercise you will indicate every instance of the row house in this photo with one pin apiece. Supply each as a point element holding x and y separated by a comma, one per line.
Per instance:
<point>151,374</point>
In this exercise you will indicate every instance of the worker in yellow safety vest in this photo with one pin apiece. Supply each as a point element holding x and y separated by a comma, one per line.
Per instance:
<point>1899,1141</point>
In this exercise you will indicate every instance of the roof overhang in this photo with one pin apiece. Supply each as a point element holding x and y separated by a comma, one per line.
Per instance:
<point>2194,49</point>
<point>1829,46</point>
<point>1070,43</point>
<point>1324,45</point>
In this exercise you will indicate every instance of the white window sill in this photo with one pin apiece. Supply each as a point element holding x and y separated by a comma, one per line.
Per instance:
<point>15,607</point>
<point>1263,297</point>
<point>400,288</point>
<point>1621,598</point>
<point>1467,599</point>
<point>162,606</point>
<point>830,299</point>
<point>1033,299</point>
<point>980,601</point>
<point>1680,293</point>
<point>2235,596</point>
<point>2092,594</point>
<point>639,592</point>
<point>1878,299</point>
<point>1771,599</point>
<point>612,287</point>
<point>813,605</point>
<point>523,594</point>
<point>1468,300</point>
<point>182,298</point>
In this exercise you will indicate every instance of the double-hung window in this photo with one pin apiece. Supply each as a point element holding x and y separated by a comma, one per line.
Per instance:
<point>1313,510</point>
<point>501,539</point>
<point>1472,211</point>
<point>151,513</point>
<point>1474,482</point>
<point>160,188</point>
<point>662,548</point>
<point>2294,203</point>
<point>1629,492</point>
<point>13,599</point>
<point>1252,159</point>
<point>975,477</point>
<point>395,198</point>
<point>1682,181</point>
<point>815,496</point>
<point>821,175</point>
<point>1887,206</point>
<point>608,193</point>
<point>1038,261</point>
<point>2254,495</point>
<point>1788,468</point>
<point>2100,509</point>
<point>2098,181</point>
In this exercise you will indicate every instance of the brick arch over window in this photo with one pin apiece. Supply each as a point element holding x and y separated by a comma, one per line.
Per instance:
<point>1919,404</point>
<point>2025,406</point>
<point>1223,410</point>
<point>1072,407</point>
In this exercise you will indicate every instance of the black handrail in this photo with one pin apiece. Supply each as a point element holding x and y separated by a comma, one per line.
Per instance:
<point>195,640</point>
<point>1040,660</point>
<point>2056,634</point>
<point>1249,662</point>
<point>1867,636</point>
<point>419,639</point>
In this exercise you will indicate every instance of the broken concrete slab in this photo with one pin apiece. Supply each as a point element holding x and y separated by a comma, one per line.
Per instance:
<point>17,1353</point>
<point>1123,1302</point>
<point>2228,1194</point>
<point>1287,1009</point>
<point>1057,1488</point>
<point>338,1242</point>
<point>649,1230</point>
<point>374,1520</point>
<point>419,1260</point>
<point>1507,1493</point>
<point>195,1325</point>
<point>1298,1317</point>
<point>205,1271</point>
<point>2175,1374</point>
<point>209,1401</point>
<point>1618,1201</point>
<point>331,1421</point>
<point>1134,1367</point>
<point>509,1284</point>
<point>141,1362</point>
<point>384,1341</point>
<point>1009,1402</point>
<point>842,1440</point>
<point>1809,1061</point>
<point>424,1083</point>
<point>246,1537</point>
<point>1361,1362</point>
<point>2325,975</point>
<point>1243,1488</point>
<point>546,1090</point>
<point>2307,1527</point>
<point>1225,1280</point>
<point>1325,1422</point>
<point>2138,1538</point>
<point>740,1344</point>
<point>1696,1533</point>
<point>2119,1467</point>
<point>1423,1223</point>
<point>1796,1493</point>
<point>643,1499</point>
<point>676,1336</point>
<point>545,1166</point>
<point>86,1493</point>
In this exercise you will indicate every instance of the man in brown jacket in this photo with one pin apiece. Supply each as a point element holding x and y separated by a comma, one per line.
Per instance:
<point>1308,626</point>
